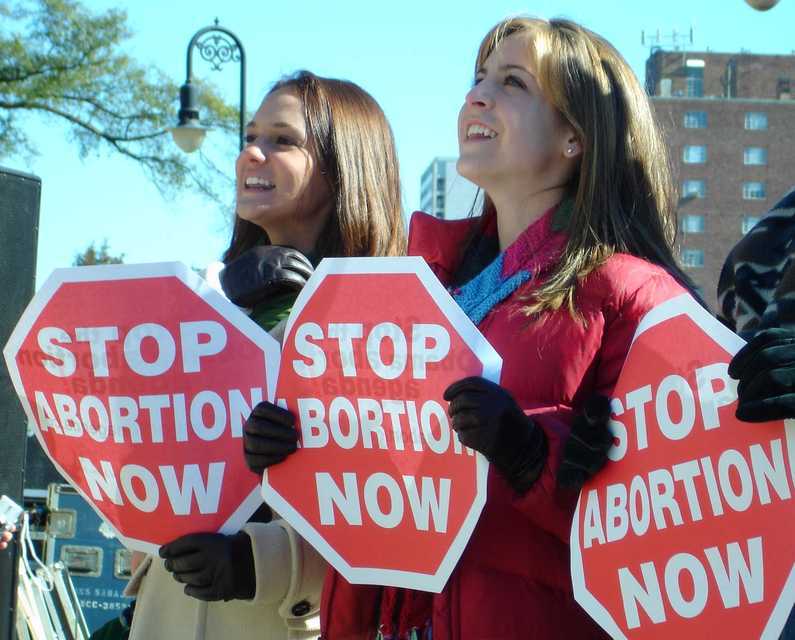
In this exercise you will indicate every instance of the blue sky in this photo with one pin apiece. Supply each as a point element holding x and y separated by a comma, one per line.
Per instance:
<point>415,57</point>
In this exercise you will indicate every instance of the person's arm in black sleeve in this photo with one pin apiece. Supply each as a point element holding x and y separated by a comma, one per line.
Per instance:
<point>765,371</point>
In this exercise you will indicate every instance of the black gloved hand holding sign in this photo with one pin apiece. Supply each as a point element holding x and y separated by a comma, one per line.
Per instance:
<point>486,418</point>
<point>212,566</point>
<point>264,271</point>
<point>269,436</point>
<point>765,368</point>
<point>585,450</point>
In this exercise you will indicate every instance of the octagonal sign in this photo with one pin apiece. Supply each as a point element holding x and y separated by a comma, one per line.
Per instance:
<point>137,380</point>
<point>688,532</point>
<point>381,485</point>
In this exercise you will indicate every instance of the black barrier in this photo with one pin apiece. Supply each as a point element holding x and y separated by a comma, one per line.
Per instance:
<point>19,229</point>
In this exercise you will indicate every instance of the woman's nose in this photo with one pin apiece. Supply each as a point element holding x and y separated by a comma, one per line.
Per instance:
<point>480,96</point>
<point>253,154</point>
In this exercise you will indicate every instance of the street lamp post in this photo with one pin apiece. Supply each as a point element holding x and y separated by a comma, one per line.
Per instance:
<point>217,49</point>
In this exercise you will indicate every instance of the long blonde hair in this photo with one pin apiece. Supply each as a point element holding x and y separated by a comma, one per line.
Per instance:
<point>624,197</point>
<point>356,150</point>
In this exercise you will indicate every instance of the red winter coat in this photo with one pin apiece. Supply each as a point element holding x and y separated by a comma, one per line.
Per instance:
<point>513,578</point>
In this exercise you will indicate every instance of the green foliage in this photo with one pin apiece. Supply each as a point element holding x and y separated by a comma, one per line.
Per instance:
<point>92,256</point>
<point>61,61</point>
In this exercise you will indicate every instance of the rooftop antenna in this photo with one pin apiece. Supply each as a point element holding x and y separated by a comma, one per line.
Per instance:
<point>657,39</point>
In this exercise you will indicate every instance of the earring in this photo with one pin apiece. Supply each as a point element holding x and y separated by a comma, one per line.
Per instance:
<point>571,149</point>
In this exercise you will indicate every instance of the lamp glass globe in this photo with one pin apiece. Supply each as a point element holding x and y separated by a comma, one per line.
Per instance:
<point>188,137</point>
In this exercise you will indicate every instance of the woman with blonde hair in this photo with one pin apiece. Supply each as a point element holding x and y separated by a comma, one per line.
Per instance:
<point>318,177</point>
<point>573,247</point>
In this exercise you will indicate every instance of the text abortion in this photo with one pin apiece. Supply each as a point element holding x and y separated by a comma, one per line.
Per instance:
<point>693,490</point>
<point>390,425</point>
<point>149,351</point>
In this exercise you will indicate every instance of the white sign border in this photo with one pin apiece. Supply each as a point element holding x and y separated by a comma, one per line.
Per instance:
<point>686,305</point>
<point>492,365</point>
<point>94,273</point>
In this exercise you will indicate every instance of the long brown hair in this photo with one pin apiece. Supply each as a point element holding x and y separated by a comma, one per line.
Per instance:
<point>356,150</point>
<point>624,197</point>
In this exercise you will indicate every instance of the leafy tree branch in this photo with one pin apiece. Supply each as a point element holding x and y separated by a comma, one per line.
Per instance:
<point>58,60</point>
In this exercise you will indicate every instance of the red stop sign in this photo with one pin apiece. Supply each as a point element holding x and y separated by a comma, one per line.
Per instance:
<point>137,380</point>
<point>689,532</point>
<point>381,485</point>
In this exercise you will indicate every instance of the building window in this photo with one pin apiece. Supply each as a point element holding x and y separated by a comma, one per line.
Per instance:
<point>694,77</point>
<point>694,154</point>
<point>695,119</point>
<point>440,201</point>
<point>693,257</point>
<point>440,184</point>
<point>692,224</point>
<point>755,155</point>
<point>749,222</point>
<point>783,89</point>
<point>756,120</point>
<point>754,191</point>
<point>694,189</point>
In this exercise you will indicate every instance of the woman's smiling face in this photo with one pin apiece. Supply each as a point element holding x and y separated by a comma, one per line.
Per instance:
<point>508,131</point>
<point>280,185</point>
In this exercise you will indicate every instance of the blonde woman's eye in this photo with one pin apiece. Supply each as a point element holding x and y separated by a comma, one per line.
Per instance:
<point>515,82</point>
<point>477,80</point>
<point>250,137</point>
<point>284,140</point>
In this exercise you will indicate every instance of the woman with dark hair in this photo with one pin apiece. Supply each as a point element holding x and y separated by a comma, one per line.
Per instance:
<point>318,177</point>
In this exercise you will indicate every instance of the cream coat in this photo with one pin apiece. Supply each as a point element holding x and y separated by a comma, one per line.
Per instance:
<point>289,578</point>
<point>289,574</point>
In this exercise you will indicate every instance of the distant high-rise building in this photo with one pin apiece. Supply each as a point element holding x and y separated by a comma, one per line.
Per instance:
<point>729,119</point>
<point>444,193</point>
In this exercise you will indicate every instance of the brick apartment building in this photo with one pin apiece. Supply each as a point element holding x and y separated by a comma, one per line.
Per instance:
<point>730,123</point>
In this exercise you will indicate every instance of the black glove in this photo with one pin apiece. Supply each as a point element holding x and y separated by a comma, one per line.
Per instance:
<point>487,419</point>
<point>212,566</point>
<point>264,271</point>
<point>585,450</point>
<point>765,368</point>
<point>269,436</point>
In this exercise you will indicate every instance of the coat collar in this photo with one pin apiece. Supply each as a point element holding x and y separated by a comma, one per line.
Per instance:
<point>442,242</point>
<point>536,248</point>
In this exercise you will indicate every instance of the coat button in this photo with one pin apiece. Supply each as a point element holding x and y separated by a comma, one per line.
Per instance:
<point>301,608</point>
